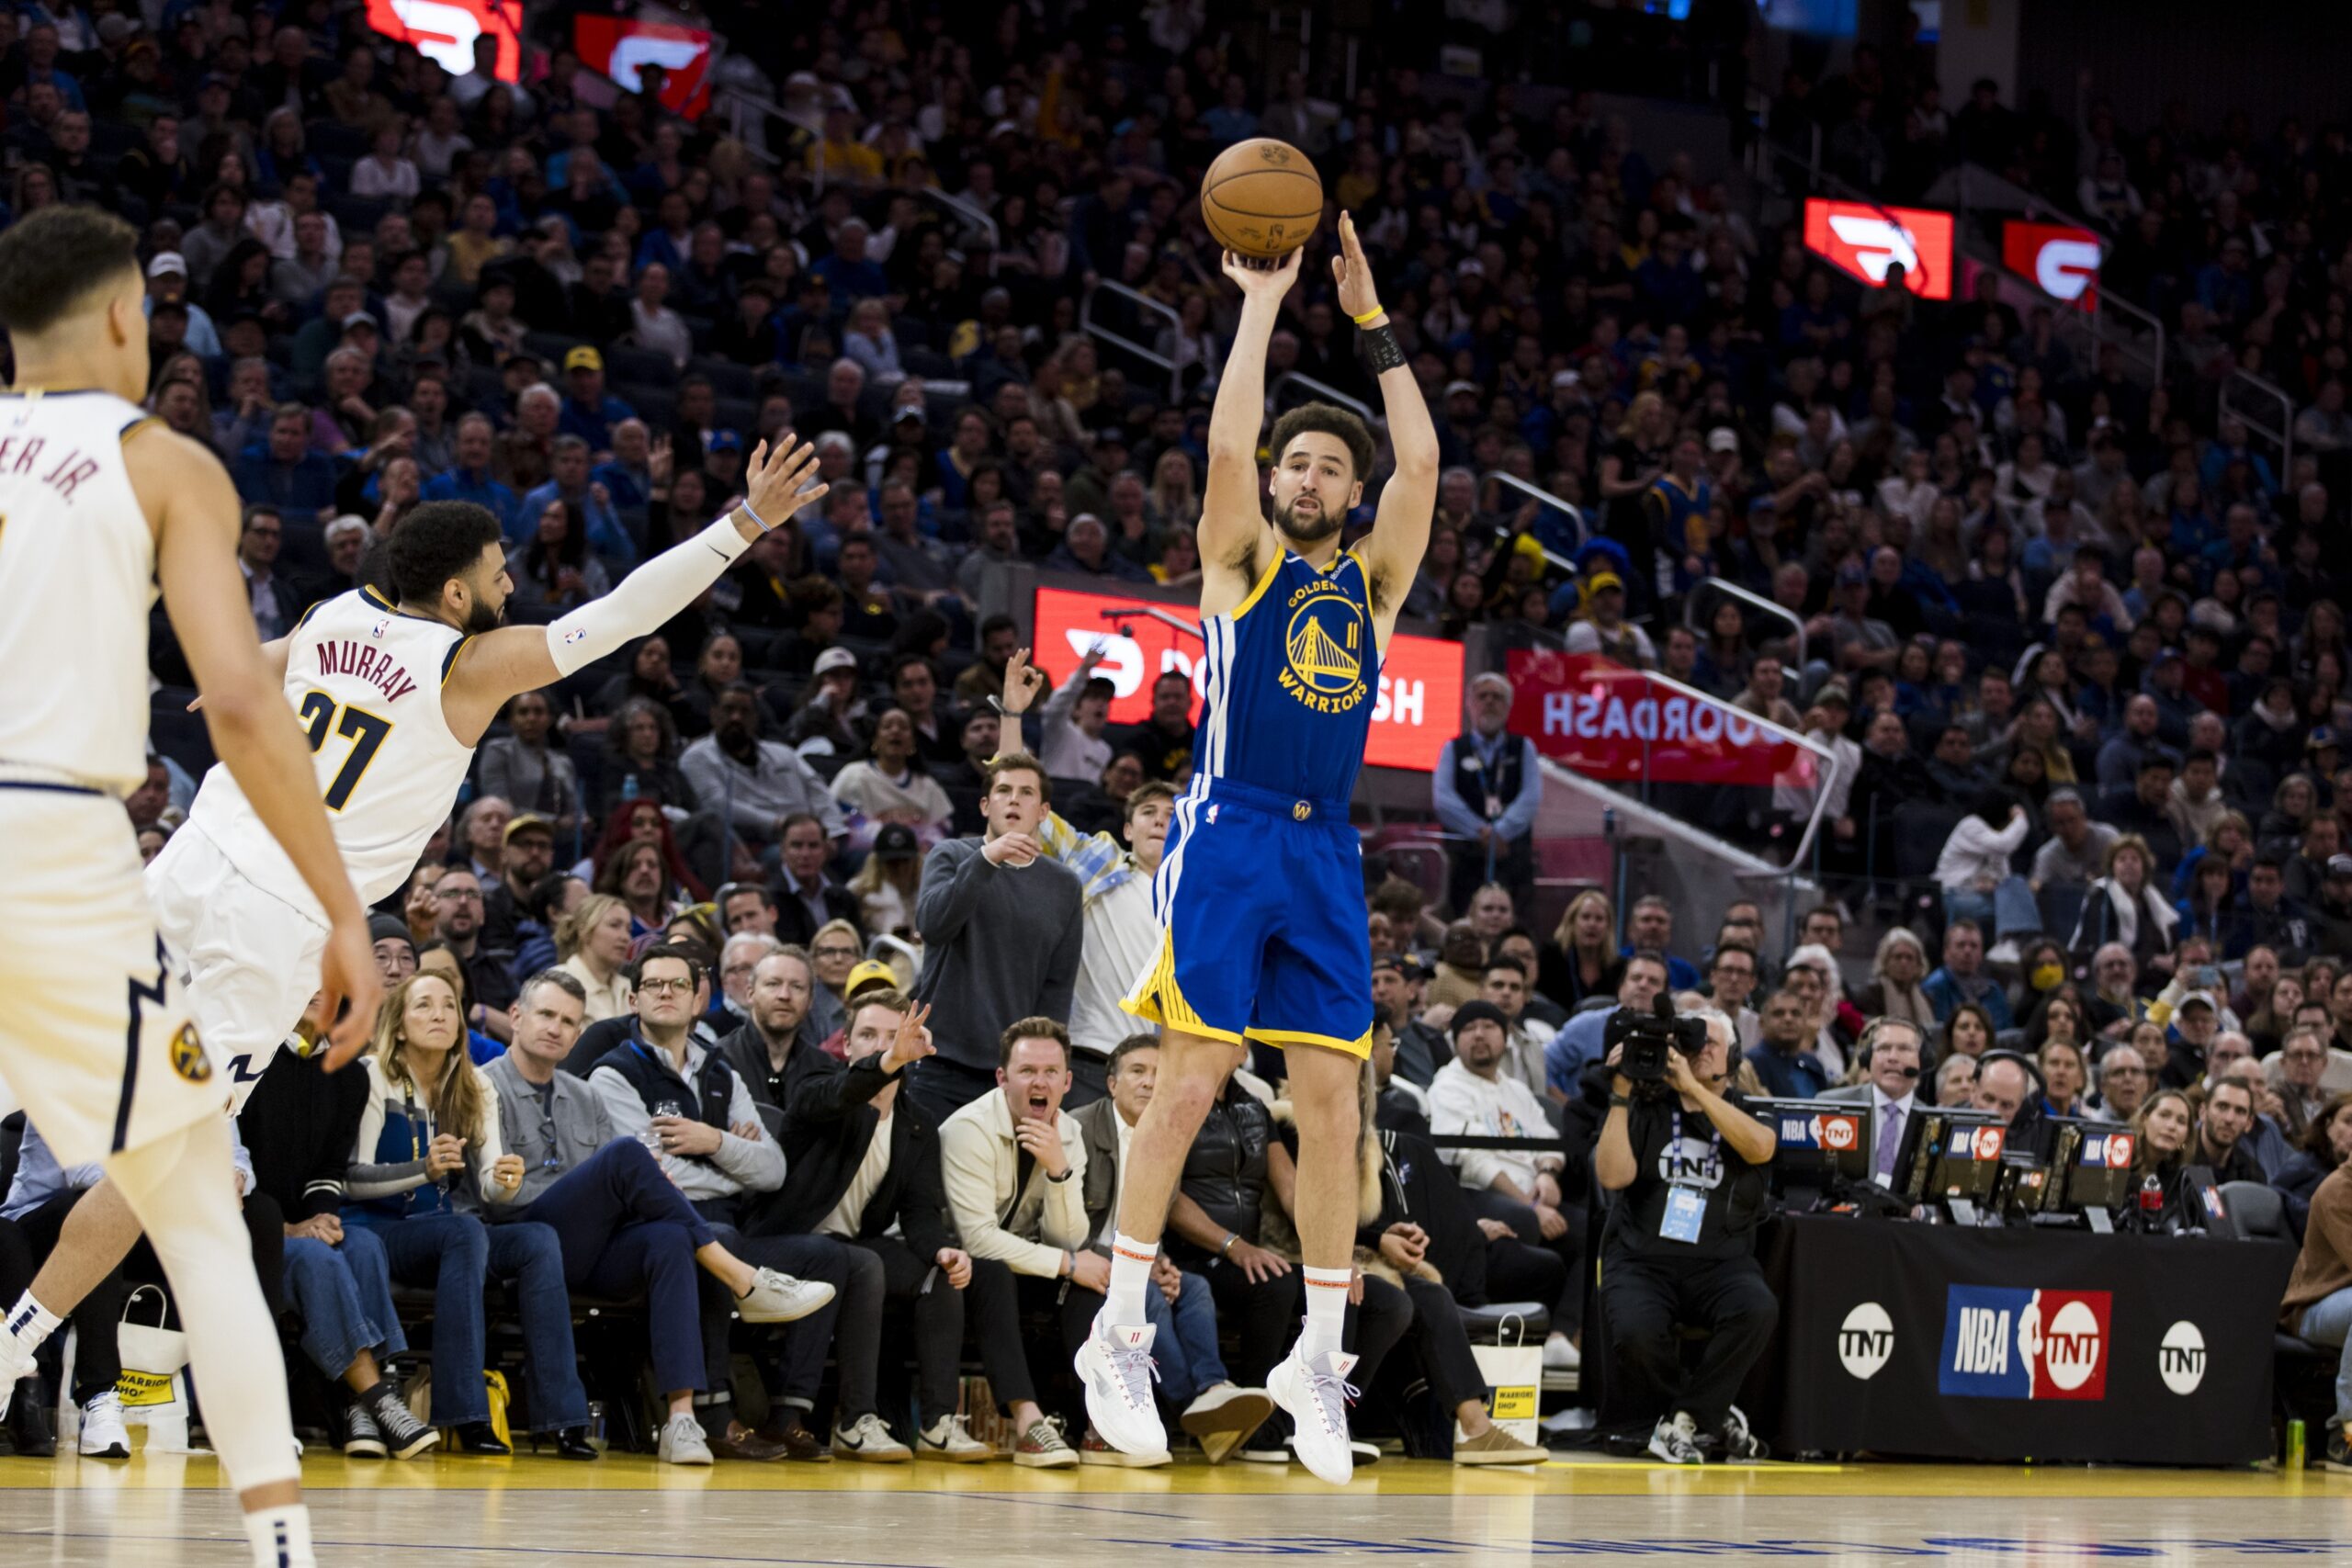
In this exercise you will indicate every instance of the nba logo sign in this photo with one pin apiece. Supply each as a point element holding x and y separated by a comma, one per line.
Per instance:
<point>573,635</point>
<point>2002,1343</point>
<point>2111,1150</point>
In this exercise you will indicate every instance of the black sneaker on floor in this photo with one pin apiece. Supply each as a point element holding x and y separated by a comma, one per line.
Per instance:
<point>361,1437</point>
<point>31,1432</point>
<point>2337,1455</point>
<point>401,1434</point>
<point>573,1443</point>
<point>1736,1441</point>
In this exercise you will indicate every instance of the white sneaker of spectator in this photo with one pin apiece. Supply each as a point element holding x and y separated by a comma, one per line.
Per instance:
<point>683,1441</point>
<point>102,1433</point>
<point>947,1439</point>
<point>1316,1396</point>
<point>1223,1417</point>
<point>16,1362</point>
<point>777,1297</point>
<point>1676,1440</point>
<point>868,1439</point>
<point>1561,1355</point>
<point>1116,1366</point>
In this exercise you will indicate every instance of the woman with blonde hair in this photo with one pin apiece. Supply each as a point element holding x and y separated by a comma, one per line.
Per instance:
<point>1633,463</point>
<point>1580,961</point>
<point>592,945</point>
<point>1896,976</point>
<point>427,1162</point>
<point>1174,503</point>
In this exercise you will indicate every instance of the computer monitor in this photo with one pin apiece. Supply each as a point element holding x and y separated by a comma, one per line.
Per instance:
<point>1951,1154</point>
<point>2094,1159</point>
<point>2025,1184</point>
<point>1821,1143</point>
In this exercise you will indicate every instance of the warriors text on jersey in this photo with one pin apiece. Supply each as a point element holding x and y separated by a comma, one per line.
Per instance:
<point>366,681</point>
<point>1260,890</point>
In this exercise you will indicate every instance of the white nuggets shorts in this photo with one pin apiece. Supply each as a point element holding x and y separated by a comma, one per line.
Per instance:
<point>248,958</point>
<point>95,1043</point>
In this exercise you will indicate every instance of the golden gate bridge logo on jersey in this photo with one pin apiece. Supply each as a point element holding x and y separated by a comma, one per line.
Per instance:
<point>1324,649</point>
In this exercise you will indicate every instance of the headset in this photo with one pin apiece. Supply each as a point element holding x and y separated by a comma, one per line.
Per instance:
<point>1877,1026</point>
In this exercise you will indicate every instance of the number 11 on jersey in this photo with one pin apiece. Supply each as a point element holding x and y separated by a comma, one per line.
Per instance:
<point>364,730</point>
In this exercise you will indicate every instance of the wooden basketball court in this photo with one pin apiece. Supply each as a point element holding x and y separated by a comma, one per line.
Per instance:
<point>169,1511</point>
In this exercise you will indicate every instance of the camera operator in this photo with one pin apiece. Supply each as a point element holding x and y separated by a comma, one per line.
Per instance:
<point>1687,1162</point>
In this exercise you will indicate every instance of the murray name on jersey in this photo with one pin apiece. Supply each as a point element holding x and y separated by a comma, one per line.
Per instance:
<point>373,665</point>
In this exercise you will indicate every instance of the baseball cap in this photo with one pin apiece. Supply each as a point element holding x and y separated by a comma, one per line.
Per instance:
<point>583,358</point>
<point>2198,998</point>
<point>166,262</point>
<point>2340,865</point>
<point>1453,389</point>
<point>1833,695</point>
<point>871,975</point>
<point>908,411</point>
<point>1601,580</point>
<point>1474,1009</point>
<point>1722,438</point>
<point>834,659</point>
<point>2323,736</point>
<point>1562,379</point>
<point>529,821</point>
<point>360,319</point>
<point>895,841</point>
<point>722,440</point>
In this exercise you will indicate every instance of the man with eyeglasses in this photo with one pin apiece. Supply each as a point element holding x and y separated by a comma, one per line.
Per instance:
<point>2123,1083</point>
<point>1731,980</point>
<point>663,1087</point>
<point>2295,1073</point>
<point>490,977</point>
<point>1485,789</point>
<point>623,1227</point>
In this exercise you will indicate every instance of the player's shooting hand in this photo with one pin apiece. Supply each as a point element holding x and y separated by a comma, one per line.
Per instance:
<point>1023,682</point>
<point>348,978</point>
<point>777,478</point>
<point>1255,277</point>
<point>1352,273</point>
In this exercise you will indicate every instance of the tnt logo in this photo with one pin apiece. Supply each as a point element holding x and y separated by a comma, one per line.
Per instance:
<point>1984,1141</point>
<point>2001,1343</point>
<point>1840,1132</point>
<point>2112,1150</point>
<point>2180,1359</point>
<point>1866,1340</point>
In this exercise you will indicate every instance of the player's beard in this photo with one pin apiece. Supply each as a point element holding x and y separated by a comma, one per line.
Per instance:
<point>1312,529</point>
<point>483,617</point>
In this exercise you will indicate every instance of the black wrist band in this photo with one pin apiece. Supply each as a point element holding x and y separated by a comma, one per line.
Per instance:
<point>1377,348</point>
<point>1619,1099</point>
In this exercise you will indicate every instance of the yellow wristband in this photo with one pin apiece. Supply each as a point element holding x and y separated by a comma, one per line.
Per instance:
<point>1368,315</point>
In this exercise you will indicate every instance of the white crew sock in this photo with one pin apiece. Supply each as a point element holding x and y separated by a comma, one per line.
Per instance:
<point>1326,1311</point>
<point>1131,1263</point>
<point>281,1537</point>
<point>30,1323</point>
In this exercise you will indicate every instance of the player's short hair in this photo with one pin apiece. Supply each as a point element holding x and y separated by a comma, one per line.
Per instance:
<point>1331,421</point>
<point>437,541</point>
<point>1021,1028</point>
<point>54,260</point>
<point>1019,762</point>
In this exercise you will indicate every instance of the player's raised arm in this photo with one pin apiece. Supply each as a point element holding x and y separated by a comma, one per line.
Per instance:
<point>1232,519</point>
<point>1400,534</point>
<point>253,732</point>
<point>493,668</point>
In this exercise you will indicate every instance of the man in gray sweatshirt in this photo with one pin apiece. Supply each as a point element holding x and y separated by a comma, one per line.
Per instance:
<point>1001,927</point>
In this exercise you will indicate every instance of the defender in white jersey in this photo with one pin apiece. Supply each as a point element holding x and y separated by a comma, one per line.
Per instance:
<point>98,504</point>
<point>394,691</point>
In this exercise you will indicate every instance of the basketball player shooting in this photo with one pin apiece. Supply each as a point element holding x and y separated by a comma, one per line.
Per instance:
<point>98,504</point>
<point>1259,892</point>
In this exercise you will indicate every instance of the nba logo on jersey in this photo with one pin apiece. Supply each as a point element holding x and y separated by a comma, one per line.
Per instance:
<point>574,635</point>
<point>378,630</point>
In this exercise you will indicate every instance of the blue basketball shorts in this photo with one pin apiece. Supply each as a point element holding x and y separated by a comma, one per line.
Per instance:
<point>1263,934</point>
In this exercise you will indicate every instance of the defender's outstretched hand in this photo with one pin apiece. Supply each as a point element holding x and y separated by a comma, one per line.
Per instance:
<point>1255,277</point>
<point>777,478</point>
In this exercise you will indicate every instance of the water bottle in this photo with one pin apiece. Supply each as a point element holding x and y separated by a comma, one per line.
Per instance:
<point>2296,1455</point>
<point>629,786</point>
<point>2152,1203</point>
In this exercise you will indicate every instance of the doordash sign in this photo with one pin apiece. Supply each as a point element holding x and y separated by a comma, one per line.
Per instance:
<point>1867,241</point>
<point>1606,721</point>
<point>2061,260</point>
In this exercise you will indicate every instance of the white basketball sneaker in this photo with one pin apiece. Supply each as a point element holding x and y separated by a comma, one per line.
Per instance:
<point>1116,1366</point>
<point>1317,1394</point>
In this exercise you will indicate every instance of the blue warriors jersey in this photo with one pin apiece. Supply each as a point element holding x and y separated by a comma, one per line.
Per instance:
<point>1293,672</point>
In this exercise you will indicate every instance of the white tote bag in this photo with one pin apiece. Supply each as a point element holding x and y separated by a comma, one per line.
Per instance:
<point>1513,1372</point>
<point>154,1384</point>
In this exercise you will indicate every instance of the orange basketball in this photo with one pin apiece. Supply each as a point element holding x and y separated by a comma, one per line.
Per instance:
<point>1261,198</point>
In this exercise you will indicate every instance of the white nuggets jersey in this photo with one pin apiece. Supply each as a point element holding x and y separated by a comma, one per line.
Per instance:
<point>77,578</point>
<point>365,680</point>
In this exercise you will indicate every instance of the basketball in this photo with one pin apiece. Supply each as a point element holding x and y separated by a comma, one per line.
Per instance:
<point>1261,198</point>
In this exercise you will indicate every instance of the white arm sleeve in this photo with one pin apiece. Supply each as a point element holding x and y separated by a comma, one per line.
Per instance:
<point>646,597</point>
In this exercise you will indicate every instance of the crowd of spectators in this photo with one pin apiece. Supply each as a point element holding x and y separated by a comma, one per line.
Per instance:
<point>2075,630</point>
